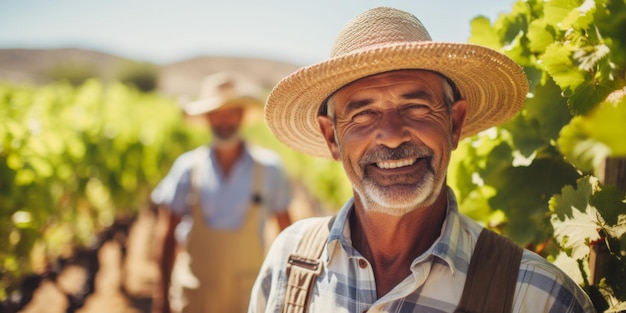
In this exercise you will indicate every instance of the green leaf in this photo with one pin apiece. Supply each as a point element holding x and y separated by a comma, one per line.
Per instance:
<point>570,266</point>
<point>587,96</point>
<point>476,205</point>
<point>579,148</point>
<point>530,187</point>
<point>499,159</point>
<point>609,202</point>
<point>523,193</point>
<point>540,35</point>
<point>589,139</point>
<point>574,233</point>
<point>556,11</point>
<point>482,33</point>
<point>558,63</point>
<point>544,114</point>
<point>511,26</point>
<point>580,16</point>
<point>606,124</point>
<point>561,205</point>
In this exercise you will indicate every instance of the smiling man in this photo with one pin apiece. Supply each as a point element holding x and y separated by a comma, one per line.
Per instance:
<point>391,105</point>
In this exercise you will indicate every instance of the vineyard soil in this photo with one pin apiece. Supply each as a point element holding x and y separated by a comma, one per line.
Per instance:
<point>124,285</point>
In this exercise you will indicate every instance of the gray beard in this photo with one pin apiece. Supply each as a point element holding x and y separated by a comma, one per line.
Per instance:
<point>375,199</point>
<point>398,202</point>
<point>228,142</point>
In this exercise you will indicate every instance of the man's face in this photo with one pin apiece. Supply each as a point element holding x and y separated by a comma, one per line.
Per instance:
<point>394,133</point>
<point>225,123</point>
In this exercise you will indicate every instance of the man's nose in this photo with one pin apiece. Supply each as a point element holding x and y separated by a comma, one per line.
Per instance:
<point>392,130</point>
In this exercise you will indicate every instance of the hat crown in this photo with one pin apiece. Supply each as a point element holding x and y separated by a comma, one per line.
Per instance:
<point>225,85</point>
<point>221,90</point>
<point>380,26</point>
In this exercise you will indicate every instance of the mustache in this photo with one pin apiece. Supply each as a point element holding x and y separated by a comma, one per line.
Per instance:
<point>406,150</point>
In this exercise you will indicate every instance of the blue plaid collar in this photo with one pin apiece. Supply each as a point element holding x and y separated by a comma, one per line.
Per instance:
<point>448,248</point>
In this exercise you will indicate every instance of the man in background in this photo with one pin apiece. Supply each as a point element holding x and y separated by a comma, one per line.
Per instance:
<point>213,206</point>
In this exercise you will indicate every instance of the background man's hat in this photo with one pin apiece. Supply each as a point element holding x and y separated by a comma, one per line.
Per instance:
<point>224,90</point>
<point>386,39</point>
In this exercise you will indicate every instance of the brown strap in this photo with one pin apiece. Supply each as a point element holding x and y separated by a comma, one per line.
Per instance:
<point>305,265</point>
<point>492,275</point>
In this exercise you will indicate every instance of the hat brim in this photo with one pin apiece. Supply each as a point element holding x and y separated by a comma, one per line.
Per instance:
<point>493,85</point>
<point>252,105</point>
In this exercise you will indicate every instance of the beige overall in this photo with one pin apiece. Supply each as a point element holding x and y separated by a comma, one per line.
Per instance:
<point>225,263</point>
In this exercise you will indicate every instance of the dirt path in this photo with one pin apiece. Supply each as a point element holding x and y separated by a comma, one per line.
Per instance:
<point>125,285</point>
<point>121,285</point>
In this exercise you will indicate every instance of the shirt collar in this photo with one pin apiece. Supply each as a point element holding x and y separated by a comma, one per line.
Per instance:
<point>448,247</point>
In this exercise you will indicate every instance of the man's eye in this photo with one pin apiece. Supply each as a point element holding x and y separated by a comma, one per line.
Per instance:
<point>363,116</point>
<point>417,110</point>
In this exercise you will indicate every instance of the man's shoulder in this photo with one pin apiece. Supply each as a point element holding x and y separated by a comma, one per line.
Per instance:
<point>287,241</point>
<point>538,265</point>
<point>539,278</point>
<point>265,157</point>
<point>197,152</point>
<point>297,229</point>
<point>186,160</point>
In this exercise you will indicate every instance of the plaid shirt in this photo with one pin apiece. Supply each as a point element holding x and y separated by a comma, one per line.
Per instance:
<point>436,284</point>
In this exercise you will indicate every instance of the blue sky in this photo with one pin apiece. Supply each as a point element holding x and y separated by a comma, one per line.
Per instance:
<point>163,31</point>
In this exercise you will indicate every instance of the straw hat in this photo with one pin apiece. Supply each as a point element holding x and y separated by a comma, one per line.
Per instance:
<point>386,39</point>
<point>224,90</point>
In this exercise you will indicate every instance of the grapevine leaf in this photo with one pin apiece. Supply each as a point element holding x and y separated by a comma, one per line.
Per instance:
<point>483,33</point>
<point>587,96</point>
<point>616,276</point>
<point>529,187</point>
<point>539,123</point>
<point>579,148</point>
<point>511,25</point>
<point>498,159</point>
<point>609,202</point>
<point>475,204</point>
<point>606,124</point>
<point>540,35</point>
<point>579,17</point>
<point>569,266</point>
<point>574,233</point>
<point>558,63</point>
<point>461,168</point>
<point>619,307</point>
<point>561,205</point>
<point>587,140</point>
<point>523,192</point>
<point>556,11</point>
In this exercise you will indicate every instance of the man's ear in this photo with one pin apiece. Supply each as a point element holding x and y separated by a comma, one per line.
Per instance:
<point>328,131</point>
<point>457,118</point>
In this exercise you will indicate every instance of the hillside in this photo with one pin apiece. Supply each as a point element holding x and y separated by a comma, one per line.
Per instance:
<point>33,66</point>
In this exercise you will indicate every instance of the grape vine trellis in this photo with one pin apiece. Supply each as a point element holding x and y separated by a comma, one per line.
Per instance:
<point>543,177</point>
<point>71,161</point>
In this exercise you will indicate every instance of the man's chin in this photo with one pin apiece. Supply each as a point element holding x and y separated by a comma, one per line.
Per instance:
<point>399,200</point>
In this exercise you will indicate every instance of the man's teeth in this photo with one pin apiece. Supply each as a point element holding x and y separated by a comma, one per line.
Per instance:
<point>395,164</point>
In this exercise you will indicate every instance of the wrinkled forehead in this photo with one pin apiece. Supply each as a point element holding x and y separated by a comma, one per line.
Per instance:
<point>408,79</point>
